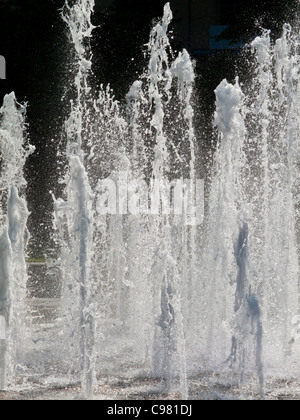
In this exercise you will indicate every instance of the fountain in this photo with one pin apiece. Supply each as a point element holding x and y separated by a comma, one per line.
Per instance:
<point>159,290</point>
<point>14,237</point>
<point>126,250</point>
<point>253,246</point>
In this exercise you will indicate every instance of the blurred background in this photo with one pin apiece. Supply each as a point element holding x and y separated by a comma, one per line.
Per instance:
<point>34,42</point>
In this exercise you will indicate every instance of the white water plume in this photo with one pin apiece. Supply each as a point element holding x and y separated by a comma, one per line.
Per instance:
<point>253,206</point>
<point>13,237</point>
<point>153,289</point>
<point>123,254</point>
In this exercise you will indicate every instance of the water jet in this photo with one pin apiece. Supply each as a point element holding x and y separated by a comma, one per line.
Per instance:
<point>161,293</point>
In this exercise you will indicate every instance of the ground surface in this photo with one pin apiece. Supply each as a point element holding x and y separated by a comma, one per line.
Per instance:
<point>199,389</point>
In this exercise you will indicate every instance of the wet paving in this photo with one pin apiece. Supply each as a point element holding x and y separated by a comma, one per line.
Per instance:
<point>204,387</point>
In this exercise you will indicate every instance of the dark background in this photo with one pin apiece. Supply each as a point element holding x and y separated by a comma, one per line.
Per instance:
<point>34,42</point>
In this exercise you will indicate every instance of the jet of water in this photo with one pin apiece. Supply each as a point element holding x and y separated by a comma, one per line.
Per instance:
<point>14,237</point>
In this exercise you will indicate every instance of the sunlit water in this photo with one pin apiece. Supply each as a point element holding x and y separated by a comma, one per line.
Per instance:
<point>156,294</point>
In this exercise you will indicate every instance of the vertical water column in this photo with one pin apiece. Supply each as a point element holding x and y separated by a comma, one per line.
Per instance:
<point>259,119</point>
<point>192,212</point>
<point>252,215</point>
<point>225,200</point>
<point>110,169</point>
<point>273,156</point>
<point>160,81</point>
<point>169,355</point>
<point>285,196</point>
<point>232,215</point>
<point>13,238</point>
<point>74,217</point>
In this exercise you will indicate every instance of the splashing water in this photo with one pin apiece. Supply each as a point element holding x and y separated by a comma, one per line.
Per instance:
<point>126,251</point>
<point>150,287</point>
<point>77,229</point>
<point>157,289</point>
<point>13,238</point>
<point>252,242</point>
